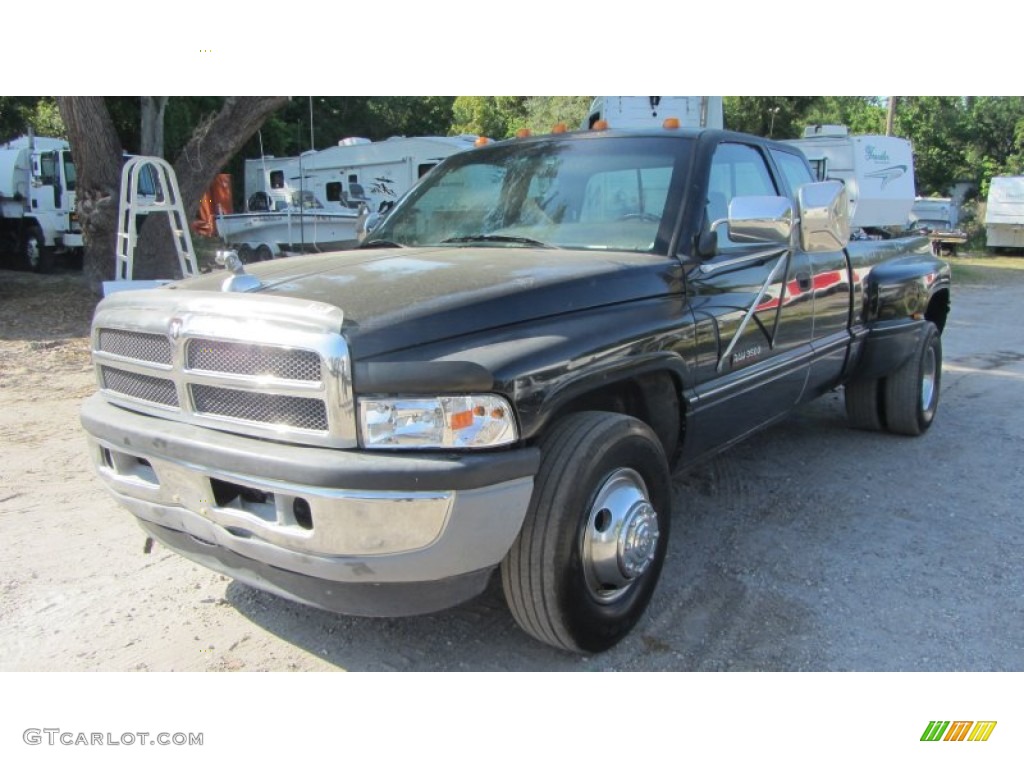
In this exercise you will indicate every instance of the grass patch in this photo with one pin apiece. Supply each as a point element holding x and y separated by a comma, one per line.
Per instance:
<point>983,269</point>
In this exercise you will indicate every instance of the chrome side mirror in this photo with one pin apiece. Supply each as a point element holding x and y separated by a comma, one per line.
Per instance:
<point>824,216</point>
<point>764,220</point>
<point>367,223</point>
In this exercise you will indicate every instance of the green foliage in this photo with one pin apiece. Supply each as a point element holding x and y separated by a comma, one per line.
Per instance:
<point>19,113</point>
<point>497,117</point>
<point>780,117</point>
<point>861,114</point>
<point>544,112</point>
<point>938,130</point>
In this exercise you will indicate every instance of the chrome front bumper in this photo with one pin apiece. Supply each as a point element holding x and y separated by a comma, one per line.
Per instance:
<point>309,522</point>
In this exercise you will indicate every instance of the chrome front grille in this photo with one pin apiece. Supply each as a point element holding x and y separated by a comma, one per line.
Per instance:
<point>140,386</point>
<point>256,365</point>
<point>252,360</point>
<point>151,347</point>
<point>282,410</point>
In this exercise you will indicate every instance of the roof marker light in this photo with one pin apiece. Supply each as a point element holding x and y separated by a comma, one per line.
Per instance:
<point>559,128</point>
<point>522,133</point>
<point>480,141</point>
<point>671,124</point>
<point>600,125</point>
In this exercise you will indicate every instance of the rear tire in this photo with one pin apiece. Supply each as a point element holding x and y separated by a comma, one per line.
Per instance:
<point>585,564</point>
<point>864,404</point>
<point>263,252</point>
<point>246,254</point>
<point>912,390</point>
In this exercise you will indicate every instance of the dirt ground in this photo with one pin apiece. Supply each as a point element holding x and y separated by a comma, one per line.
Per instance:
<point>809,547</point>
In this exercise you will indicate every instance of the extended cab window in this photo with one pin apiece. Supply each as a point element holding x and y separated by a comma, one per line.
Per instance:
<point>737,170</point>
<point>793,169</point>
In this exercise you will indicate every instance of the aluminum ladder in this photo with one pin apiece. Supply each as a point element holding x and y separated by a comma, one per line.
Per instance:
<point>162,196</point>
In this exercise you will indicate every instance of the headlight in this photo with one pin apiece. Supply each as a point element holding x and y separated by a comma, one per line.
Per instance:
<point>459,421</point>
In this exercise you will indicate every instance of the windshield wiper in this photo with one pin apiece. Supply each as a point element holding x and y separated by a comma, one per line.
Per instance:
<point>496,239</point>
<point>381,244</point>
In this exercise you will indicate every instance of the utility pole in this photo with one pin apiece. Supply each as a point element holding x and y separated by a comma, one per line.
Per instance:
<point>890,116</point>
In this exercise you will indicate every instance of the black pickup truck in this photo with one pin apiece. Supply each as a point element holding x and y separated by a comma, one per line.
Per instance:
<point>506,373</point>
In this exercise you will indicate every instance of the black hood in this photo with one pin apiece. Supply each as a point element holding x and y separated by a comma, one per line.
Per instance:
<point>398,298</point>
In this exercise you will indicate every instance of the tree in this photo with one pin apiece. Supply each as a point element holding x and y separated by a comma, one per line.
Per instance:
<point>20,113</point>
<point>780,117</point>
<point>544,112</point>
<point>497,117</point>
<point>939,130</point>
<point>98,152</point>
<point>152,125</point>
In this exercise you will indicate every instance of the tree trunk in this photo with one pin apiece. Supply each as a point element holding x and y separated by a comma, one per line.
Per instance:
<point>214,142</point>
<point>152,125</point>
<point>890,116</point>
<point>97,152</point>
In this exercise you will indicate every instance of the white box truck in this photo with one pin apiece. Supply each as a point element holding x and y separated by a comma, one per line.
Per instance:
<point>37,202</point>
<point>1004,213</point>
<point>650,111</point>
<point>878,172</point>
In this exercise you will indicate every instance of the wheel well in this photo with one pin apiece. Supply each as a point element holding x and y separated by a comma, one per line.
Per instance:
<point>938,309</point>
<point>653,398</point>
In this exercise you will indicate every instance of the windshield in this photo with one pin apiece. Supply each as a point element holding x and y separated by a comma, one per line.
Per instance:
<point>606,193</point>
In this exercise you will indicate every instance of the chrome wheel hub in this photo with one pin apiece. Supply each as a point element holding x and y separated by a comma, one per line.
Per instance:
<point>928,380</point>
<point>32,252</point>
<point>620,540</point>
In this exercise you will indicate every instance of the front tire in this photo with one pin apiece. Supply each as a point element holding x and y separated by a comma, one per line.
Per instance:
<point>585,564</point>
<point>34,253</point>
<point>912,390</point>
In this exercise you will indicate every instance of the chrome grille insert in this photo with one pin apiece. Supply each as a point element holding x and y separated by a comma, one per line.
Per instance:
<point>261,366</point>
<point>151,347</point>
<point>252,360</point>
<point>284,410</point>
<point>141,387</point>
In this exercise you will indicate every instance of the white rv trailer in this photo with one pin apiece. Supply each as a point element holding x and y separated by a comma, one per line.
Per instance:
<point>356,171</point>
<point>651,111</point>
<point>1004,213</point>
<point>878,172</point>
<point>314,202</point>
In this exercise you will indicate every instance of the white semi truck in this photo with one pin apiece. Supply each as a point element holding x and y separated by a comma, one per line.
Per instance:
<point>37,202</point>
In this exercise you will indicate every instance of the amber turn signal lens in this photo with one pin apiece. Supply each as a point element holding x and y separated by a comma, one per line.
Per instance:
<point>671,123</point>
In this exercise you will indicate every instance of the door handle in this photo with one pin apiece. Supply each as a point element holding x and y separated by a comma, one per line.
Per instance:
<point>803,280</point>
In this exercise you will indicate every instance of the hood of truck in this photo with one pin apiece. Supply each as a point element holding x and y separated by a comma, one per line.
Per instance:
<point>397,298</point>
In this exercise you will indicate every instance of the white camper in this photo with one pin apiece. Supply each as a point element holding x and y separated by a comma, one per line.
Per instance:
<point>317,201</point>
<point>651,111</point>
<point>878,172</point>
<point>356,171</point>
<point>1004,213</point>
